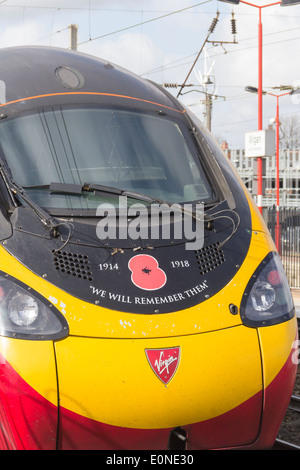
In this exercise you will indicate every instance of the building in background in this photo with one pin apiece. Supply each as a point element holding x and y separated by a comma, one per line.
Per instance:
<point>289,179</point>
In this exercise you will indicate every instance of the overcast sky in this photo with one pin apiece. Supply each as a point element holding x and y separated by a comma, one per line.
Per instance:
<point>159,40</point>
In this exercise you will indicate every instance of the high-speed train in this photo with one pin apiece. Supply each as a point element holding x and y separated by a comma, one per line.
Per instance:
<point>143,303</point>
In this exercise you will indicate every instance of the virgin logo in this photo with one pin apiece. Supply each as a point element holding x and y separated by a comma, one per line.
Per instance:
<point>146,273</point>
<point>164,362</point>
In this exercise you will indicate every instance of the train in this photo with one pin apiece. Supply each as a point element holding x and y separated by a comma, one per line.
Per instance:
<point>143,302</point>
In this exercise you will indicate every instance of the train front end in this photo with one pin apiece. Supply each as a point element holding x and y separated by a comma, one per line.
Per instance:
<point>143,303</point>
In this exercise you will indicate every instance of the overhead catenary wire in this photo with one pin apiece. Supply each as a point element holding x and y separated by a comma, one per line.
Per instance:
<point>171,64</point>
<point>143,22</point>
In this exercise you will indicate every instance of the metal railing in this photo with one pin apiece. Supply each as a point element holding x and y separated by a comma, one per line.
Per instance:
<point>289,249</point>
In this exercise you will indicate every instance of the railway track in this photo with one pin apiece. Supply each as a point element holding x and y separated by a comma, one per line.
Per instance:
<point>284,445</point>
<point>281,444</point>
<point>295,403</point>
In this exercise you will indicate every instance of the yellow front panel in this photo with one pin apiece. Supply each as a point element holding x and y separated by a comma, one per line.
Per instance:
<point>111,381</point>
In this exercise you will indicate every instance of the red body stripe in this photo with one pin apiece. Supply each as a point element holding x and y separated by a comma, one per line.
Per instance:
<point>27,420</point>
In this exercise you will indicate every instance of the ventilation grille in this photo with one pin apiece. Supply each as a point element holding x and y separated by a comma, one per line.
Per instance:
<point>209,258</point>
<point>73,264</point>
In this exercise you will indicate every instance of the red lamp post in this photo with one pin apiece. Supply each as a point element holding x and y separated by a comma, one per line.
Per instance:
<point>277,226</point>
<point>260,91</point>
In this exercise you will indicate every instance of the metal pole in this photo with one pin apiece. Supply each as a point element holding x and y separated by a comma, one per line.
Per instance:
<point>73,36</point>
<point>260,114</point>
<point>260,93</point>
<point>277,227</point>
<point>208,111</point>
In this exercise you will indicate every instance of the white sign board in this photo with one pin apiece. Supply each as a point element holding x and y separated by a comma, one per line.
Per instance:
<point>260,143</point>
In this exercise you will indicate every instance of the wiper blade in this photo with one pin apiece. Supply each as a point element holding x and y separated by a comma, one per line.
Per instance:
<point>61,188</point>
<point>77,189</point>
<point>69,188</point>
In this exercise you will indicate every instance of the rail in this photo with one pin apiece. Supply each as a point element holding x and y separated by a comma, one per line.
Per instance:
<point>281,444</point>
<point>285,445</point>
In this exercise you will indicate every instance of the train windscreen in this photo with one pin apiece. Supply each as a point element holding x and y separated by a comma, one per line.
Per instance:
<point>143,152</point>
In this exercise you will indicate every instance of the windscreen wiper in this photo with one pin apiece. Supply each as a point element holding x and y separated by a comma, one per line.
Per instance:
<point>78,189</point>
<point>15,191</point>
<point>48,220</point>
<point>69,188</point>
<point>44,216</point>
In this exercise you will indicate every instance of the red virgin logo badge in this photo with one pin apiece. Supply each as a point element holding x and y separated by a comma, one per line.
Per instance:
<point>164,362</point>
<point>146,273</point>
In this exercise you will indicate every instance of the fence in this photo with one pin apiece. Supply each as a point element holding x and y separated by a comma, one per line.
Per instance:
<point>289,219</point>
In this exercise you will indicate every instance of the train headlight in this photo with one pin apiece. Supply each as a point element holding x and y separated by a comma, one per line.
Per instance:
<point>262,296</point>
<point>267,299</point>
<point>26,314</point>
<point>22,309</point>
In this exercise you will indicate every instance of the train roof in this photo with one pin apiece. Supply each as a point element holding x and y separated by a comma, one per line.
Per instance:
<point>53,74</point>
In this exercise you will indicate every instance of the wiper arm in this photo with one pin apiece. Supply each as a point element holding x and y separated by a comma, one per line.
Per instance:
<point>15,190</point>
<point>44,216</point>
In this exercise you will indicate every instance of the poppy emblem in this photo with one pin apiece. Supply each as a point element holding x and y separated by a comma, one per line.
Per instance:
<point>164,362</point>
<point>146,273</point>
